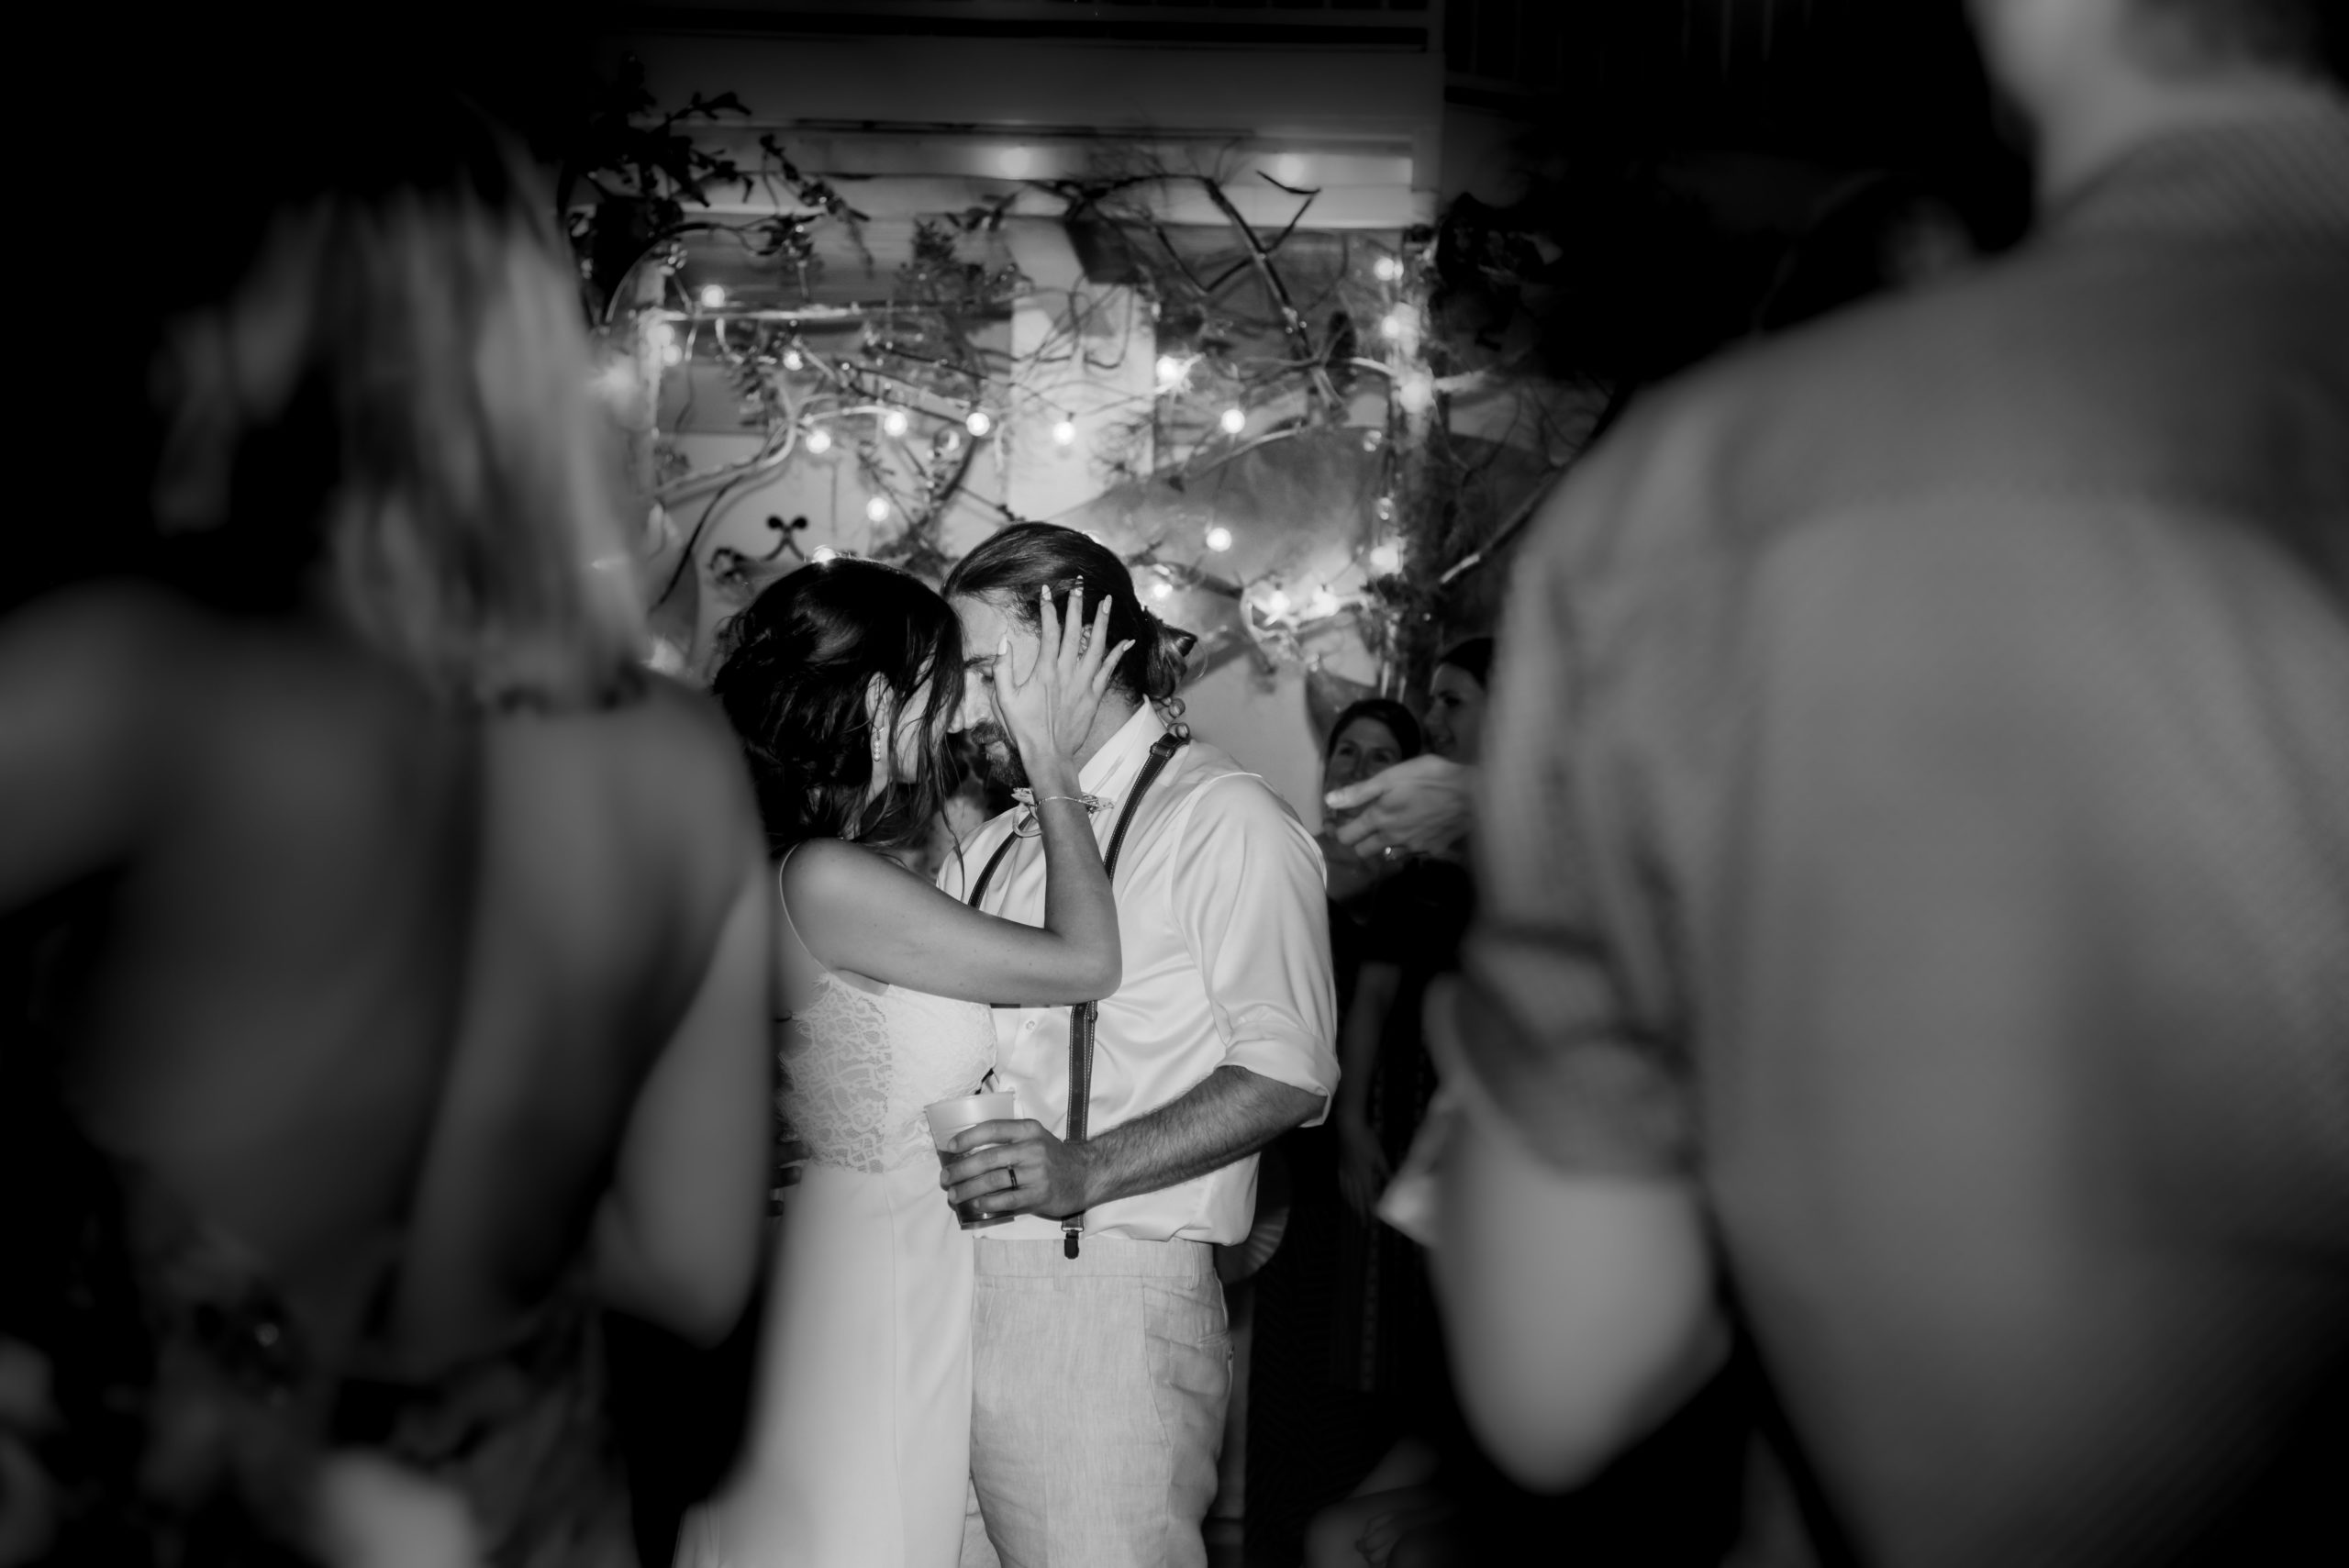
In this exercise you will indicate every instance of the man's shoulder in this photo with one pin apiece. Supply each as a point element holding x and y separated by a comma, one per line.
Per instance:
<point>1206,794</point>
<point>2065,373</point>
<point>1209,781</point>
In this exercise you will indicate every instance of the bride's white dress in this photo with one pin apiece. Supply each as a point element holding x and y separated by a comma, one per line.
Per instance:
<point>859,1446</point>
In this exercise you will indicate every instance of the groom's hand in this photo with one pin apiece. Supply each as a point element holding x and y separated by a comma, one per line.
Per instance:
<point>1021,1169</point>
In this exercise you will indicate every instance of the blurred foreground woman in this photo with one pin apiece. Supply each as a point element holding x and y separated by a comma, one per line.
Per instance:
<point>402,995</point>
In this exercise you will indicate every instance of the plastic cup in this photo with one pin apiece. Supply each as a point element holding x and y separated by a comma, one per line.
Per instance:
<point>948,1118</point>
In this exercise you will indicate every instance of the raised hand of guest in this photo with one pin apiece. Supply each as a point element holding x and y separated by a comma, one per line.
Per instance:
<point>1418,806</point>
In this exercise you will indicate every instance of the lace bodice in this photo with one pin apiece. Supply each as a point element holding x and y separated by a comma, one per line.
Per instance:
<point>858,1067</point>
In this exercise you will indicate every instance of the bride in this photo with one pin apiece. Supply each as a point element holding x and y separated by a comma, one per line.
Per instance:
<point>841,680</point>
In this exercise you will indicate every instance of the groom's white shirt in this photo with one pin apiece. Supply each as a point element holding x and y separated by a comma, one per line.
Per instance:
<point>1225,928</point>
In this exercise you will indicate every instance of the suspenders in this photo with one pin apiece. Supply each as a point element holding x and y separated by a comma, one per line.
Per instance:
<point>1082,1018</point>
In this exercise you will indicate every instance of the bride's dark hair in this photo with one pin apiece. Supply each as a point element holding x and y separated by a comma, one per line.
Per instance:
<point>797,667</point>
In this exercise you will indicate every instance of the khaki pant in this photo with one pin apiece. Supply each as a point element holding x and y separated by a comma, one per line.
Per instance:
<point>1098,1387</point>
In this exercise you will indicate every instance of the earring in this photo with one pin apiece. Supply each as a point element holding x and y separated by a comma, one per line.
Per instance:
<point>877,747</point>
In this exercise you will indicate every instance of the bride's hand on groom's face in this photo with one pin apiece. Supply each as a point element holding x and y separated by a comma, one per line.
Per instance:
<point>1049,705</point>
<point>1016,1167</point>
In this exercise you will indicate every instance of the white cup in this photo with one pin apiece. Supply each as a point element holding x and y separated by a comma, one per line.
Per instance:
<point>948,1118</point>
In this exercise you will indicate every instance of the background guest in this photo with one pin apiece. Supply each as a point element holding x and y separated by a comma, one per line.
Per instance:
<point>1311,1434</point>
<point>1915,931</point>
<point>390,951</point>
<point>1456,700</point>
<point>1422,805</point>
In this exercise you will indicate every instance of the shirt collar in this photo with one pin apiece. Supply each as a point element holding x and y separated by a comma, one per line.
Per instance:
<point>1112,768</point>
<point>2285,173</point>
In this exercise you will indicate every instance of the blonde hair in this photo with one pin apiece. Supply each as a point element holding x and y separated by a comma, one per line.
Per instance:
<point>402,372</point>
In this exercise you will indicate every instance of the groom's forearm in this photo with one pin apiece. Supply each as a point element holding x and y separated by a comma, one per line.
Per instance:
<point>1231,1114</point>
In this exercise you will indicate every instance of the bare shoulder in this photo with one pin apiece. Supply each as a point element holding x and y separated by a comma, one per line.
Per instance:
<point>672,746</point>
<point>828,873</point>
<point>102,632</point>
<point>690,726</point>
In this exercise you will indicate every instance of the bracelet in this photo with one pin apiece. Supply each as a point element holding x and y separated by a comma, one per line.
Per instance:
<point>1090,803</point>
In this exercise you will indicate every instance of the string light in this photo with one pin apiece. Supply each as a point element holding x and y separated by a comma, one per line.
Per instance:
<point>1275,603</point>
<point>1385,559</point>
<point>713,297</point>
<point>893,423</point>
<point>1162,589</point>
<point>1384,508</point>
<point>672,353</point>
<point>1415,394</point>
<point>1396,324</point>
<point>825,552</point>
<point>820,440</point>
<point>793,359</point>
<point>1219,538</point>
<point>978,424</point>
<point>1386,270</point>
<point>877,509</point>
<point>1064,432</point>
<point>1233,421</point>
<point>1170,370</point>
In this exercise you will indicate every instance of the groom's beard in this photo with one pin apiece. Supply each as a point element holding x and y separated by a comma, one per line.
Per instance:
<point>999,757</point>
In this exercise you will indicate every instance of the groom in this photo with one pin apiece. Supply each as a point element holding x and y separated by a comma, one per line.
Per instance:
<point>1099,1380</point>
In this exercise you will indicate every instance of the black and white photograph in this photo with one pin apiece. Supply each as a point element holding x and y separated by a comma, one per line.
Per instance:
<point>1177,783</point>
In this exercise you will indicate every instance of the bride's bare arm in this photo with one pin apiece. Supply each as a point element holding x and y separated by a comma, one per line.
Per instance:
<point>857,912</point>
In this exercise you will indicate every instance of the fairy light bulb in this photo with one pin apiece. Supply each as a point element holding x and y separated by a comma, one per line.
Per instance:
<point>820,440</point>
<point>893,423</point>
<point>1170,370</point>
<point>1233,421</point>
<point>1385,559</point>
<point>876,510</point>
<point>978,423</point>
<point>1276,603</point>
<point>1396,324</point>
<point>1323,602</point>
<point>713,297</point>
<point>793,359</point>
<point>1415,394</point>
<point>1387,268</point>
<point>1162,589</point>
<point>1219,538</point>
<point>825,552</point>
<point>1064,433</point>
<point>672,353</point>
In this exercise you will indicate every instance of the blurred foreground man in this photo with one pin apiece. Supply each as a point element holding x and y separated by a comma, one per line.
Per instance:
<point>1916,888</point>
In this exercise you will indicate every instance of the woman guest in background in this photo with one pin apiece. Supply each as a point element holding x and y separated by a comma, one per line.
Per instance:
<point>1311,1436</point>
<point>1387,1344</point>
<point>840,681</point>
<point>1456,700</point>
<point>1368,738</point>
<point>402,978</point>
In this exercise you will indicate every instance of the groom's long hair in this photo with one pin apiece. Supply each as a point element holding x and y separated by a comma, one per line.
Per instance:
<point>1011,568</point>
